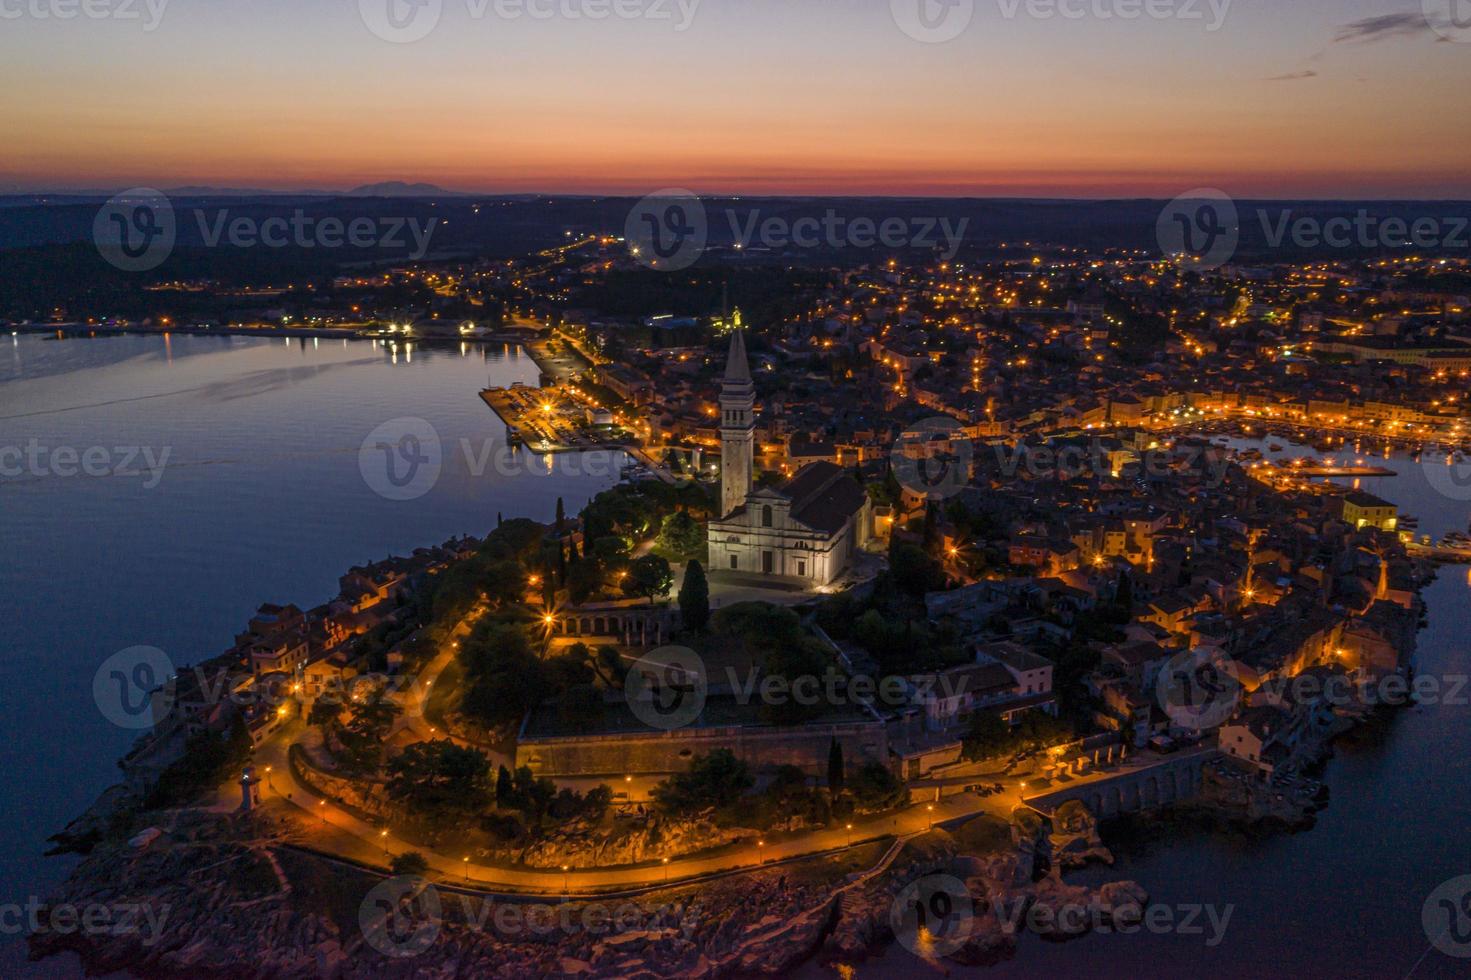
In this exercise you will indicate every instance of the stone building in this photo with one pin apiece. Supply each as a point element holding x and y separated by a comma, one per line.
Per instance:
<point>804,532</point>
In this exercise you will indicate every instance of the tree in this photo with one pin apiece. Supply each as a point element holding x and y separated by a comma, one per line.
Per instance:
<point>584,579</point>
<point>1124,596</point>
<point>914,571</point>
<point>364,734</point>
<point>876,788</point>
<point>410,863</point>
<point>648,577</point>
<point>561,516</point>
<point>440,780</point>
<point>503,787</point>
<point>694,598</point>
<point>714,780</point>
<point>681,536</point>
<point>835,767</point>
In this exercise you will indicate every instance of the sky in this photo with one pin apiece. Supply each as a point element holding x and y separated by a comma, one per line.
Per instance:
<point>1261,98</point>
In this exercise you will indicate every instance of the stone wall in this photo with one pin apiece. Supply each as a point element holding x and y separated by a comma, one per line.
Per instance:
<point>763,749</point>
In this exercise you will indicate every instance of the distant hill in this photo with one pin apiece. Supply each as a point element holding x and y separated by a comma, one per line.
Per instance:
<point>397,188</point>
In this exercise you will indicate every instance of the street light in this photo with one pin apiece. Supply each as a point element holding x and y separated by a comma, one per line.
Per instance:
<point>666,870</point>
<point>850,835</point>
<point>322,810</point>
<point>383,836</point>
<point>761,852</point>
<point>930,808</point>
<point>465,861</point>
<point>566,880</point>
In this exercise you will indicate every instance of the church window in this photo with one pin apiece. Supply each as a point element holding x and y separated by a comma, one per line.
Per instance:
<point>766,516</point>
<point>735,562</point>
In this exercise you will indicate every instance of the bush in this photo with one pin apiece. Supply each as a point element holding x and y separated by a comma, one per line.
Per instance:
<point>409,863</point>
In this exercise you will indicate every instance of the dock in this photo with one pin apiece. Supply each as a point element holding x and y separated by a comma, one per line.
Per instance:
<point>1341,471</point>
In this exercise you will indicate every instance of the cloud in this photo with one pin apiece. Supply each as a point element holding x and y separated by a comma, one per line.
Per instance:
<point>1377,28</point>
<point>1293,76</point>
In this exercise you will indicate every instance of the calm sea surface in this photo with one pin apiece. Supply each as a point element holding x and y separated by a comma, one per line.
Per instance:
<point>264,495</point>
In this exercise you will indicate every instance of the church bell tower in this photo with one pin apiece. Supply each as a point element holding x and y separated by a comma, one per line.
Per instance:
<point>737,426</point>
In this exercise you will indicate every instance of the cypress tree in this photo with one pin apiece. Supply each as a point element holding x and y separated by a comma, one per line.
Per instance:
<point>694,598</point>
<point>835,768</point>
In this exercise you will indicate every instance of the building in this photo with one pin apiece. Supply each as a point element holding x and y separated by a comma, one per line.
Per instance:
<point>1363,510</point>
<point>737,427</point>
<point>805,532</point>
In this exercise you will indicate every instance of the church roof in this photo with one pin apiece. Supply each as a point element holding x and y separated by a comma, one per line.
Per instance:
<point>737,364</point>
<point>824,496</point>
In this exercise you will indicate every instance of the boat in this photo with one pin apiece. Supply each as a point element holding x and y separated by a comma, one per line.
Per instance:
<point>1273,448</point>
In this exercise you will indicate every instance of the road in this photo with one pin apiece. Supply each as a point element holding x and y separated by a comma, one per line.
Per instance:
<point>347,835</point>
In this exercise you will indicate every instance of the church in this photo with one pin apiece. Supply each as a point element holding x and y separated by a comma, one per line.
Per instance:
<point>805,532</point>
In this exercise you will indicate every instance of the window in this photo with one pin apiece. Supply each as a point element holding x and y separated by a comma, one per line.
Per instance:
<point>734,562</point>
<point>802,568</point>
<point>766,516</point>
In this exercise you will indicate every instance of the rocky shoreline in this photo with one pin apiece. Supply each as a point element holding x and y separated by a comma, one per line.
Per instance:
<point>232,895</point>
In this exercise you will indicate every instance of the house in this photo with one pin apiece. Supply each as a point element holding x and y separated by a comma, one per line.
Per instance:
<point>1263,736</point>
<point>1361,510</point>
